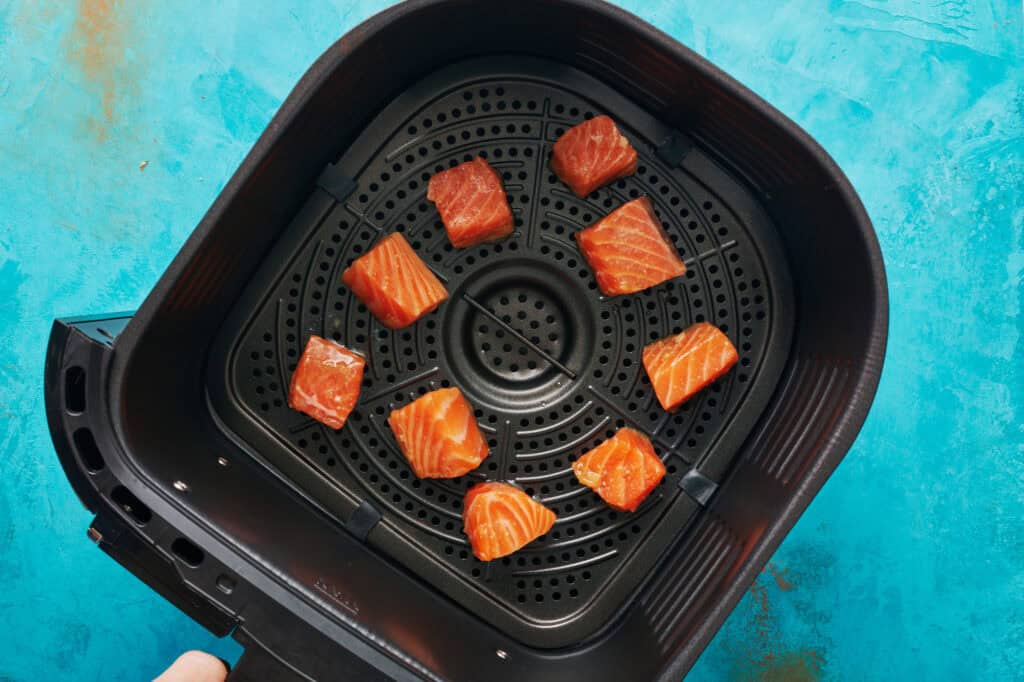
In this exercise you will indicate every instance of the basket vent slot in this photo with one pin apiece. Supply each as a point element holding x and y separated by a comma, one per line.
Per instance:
<point>131,505</point>
<point>187,552</point>
<point>74,390</point>
<point>88,450</point>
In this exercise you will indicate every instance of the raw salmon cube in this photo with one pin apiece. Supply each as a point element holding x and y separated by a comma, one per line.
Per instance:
<point>326,382</point>
<point>438,434</point>
<point>500,518</point>
<point>623,470</point>
<point>629,250</point>
<point>592,154</point>
<point>472,203</point>
<point>394,283</point>
<point>680,365</point>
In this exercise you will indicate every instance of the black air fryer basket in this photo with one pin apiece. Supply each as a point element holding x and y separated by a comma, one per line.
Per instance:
<point>320,550</point>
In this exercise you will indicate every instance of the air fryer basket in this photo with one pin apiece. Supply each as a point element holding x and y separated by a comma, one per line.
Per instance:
<point>319,549</point>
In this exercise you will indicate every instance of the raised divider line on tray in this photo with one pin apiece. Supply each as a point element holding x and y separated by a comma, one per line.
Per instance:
<point>519,337</point>
<point>642,428</point>
<point>710,252</point>
<point>302,426</point>
<point>404,383</point>
<point>362,217</point>
<point>531,229</point>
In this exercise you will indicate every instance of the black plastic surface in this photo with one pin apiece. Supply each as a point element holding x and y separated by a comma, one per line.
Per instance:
<point>155,551</point>
<point>307,591</point>
<point>552,366</point>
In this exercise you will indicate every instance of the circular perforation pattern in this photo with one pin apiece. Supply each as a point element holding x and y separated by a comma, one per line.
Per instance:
<point>530,309</point>
<point>552,367</point>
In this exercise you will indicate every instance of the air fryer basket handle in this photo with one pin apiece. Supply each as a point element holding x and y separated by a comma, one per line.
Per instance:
<point>279,646</point>
<point>257,665</point>
<point>317,658</point>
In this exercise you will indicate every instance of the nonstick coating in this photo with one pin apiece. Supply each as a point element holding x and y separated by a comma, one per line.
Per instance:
<point>551,366</point>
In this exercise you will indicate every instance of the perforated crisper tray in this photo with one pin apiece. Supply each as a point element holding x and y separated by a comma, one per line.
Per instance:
<point>552,367</point>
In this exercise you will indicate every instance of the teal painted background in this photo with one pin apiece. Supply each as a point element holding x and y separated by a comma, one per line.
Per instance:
<point>120,122</point>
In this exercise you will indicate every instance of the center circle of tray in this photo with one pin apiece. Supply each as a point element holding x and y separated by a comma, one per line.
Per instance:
<point>519,335</point>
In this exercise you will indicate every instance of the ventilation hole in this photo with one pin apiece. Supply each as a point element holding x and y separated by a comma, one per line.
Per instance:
<point>131,505</point>
<point>88,450</point>
<point>187,552</point>
<point>74,390</point>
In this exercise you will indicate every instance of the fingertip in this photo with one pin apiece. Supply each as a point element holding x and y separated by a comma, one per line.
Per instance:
<point>195,666</point>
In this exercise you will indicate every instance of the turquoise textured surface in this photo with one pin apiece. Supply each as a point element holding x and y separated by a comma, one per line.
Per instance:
<point>120,121</point>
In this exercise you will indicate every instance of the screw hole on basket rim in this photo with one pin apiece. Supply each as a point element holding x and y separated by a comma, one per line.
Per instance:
<point>225,583</point>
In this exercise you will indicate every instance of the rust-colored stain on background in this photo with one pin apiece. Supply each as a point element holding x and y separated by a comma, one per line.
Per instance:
<point>97,46</point>
<point>793,666</point>
<point>781,580</point>
<point>760,658</point>
<point>762,620</point>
